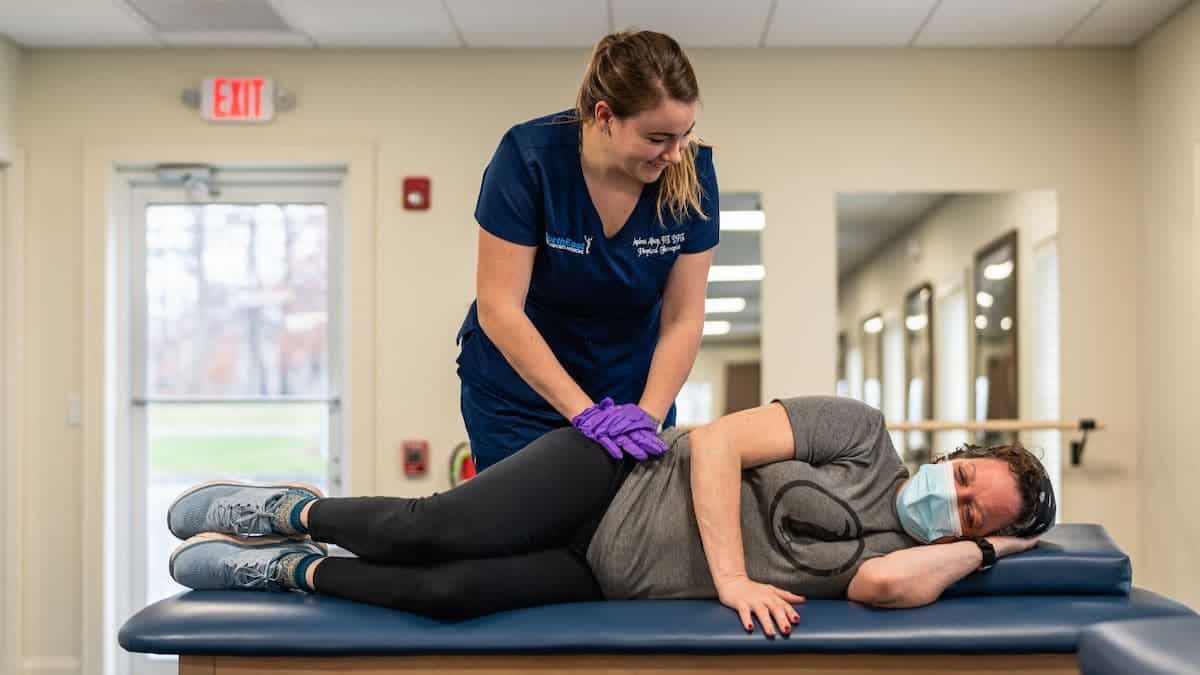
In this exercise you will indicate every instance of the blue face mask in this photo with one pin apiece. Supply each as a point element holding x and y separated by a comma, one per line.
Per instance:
<point>928,504</point>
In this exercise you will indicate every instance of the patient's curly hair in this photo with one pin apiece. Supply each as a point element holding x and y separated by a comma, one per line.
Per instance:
<point>1033,482</point>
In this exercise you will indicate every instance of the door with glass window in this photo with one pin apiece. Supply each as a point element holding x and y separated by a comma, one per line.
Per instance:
<point>234,348</point>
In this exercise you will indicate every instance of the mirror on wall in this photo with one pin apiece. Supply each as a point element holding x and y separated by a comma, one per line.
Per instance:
<point>918,366</point>
<point>929,304</point>
<point>995,335</point>
<point>842,386</point>
<point>727,374</point>
<point>871,343</point>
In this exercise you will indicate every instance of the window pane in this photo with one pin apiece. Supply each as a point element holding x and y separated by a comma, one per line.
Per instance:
<point>237,299</point>
<point>694,405</point>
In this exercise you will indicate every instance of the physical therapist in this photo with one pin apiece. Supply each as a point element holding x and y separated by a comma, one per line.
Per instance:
<point>597,229</point>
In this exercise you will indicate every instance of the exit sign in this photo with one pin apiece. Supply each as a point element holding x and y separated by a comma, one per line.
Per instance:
<point>237,99</point>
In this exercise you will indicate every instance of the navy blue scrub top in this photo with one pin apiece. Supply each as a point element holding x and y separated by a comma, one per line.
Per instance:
<point>596,301</point>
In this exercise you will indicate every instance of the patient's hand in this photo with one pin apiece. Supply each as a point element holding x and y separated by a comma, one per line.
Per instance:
<point>770,605</point>
<point>1010,545</point>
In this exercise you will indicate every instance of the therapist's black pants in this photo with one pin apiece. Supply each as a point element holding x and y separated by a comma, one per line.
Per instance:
<point>514,536</point>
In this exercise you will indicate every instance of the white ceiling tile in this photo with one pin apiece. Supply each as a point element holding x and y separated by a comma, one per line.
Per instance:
<point>236,39</point>
<point>73,23</point>
<point>1123,22</point>
<point>1002,23</point>
<point>712,23</point>
<point>579,23</point>
<point>862,23</point>
<point>371,23</point>
<point>530,23</point>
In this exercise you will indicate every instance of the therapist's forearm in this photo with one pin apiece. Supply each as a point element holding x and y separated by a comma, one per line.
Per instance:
<point>716,479</point>
<point>510,329</point>
<point>678,344</point>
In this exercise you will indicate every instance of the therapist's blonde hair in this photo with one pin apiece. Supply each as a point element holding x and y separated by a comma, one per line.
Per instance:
<point>632,72</point>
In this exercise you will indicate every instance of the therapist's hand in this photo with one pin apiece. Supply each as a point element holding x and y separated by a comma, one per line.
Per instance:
<point>632,429</point>
<point>621,429</point>
<point>588,421</point>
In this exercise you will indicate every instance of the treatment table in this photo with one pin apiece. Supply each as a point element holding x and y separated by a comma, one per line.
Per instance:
<point>1162,646</point>
<point>1024,615</point>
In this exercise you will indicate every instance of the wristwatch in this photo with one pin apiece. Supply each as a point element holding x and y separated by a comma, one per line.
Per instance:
<point>988,551</point>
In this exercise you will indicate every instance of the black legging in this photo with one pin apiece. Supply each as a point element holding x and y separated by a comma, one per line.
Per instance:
<point>514,536</point>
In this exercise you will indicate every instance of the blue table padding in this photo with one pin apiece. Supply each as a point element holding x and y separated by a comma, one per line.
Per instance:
<point>1071,558</point>
<point>237,623</point>
<point>1145,647</point>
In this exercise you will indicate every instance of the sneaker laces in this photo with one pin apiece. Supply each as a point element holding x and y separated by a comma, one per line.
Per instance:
<point>253,573</point>
<point>243,518</point>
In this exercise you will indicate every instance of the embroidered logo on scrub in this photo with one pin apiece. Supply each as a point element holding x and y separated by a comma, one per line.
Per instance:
<point>570,245</point>
<point>803,514</point>
<point>667,243</point>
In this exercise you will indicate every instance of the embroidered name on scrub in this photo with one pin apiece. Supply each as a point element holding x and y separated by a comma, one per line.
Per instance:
<point>667,243</point>
<point>564,244</point>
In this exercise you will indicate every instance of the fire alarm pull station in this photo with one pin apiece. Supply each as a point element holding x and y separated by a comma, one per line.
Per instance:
<point>416,457</point>
<point>416,193</point>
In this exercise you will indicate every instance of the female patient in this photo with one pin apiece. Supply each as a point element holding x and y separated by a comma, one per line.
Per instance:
<point>804,497</point>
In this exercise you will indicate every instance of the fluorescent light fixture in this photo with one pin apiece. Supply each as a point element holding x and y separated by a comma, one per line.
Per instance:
<point>916,322</point>
<point>984,299</point>
<point>724,305</point>
<point>736,273</point>
<point>1006,323</point>
<point>743,221</point>
<point>981,321</point>
<point>998,271</point>
<point>873,325</point>
<point>717,327</point>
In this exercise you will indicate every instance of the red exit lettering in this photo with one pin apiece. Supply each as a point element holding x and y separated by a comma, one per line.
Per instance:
<point>233,99</point>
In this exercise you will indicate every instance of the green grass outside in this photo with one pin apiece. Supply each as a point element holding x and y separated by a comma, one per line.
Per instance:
<point>230,454</point>
<point>268,444</point>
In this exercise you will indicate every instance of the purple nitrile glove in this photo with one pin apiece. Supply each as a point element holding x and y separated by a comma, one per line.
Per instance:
<point>623,418</point>
<point>648,441</point>
<point>640,443</point>
<point>625,428</point>
<point>587,420</point>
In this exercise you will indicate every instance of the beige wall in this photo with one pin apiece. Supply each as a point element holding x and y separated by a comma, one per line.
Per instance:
<point>10,75</point>
<point>1168,103</point>
<point>797,126</point>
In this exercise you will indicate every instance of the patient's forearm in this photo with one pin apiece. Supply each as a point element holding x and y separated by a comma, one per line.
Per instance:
<point>716,480</point>
<point>918,576</point>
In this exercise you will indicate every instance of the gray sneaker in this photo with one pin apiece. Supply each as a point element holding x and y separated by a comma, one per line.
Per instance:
<point>213,562</point>
<point>243,509</point>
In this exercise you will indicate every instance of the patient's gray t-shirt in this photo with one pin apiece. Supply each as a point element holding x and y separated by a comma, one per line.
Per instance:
<point>807,523</point>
